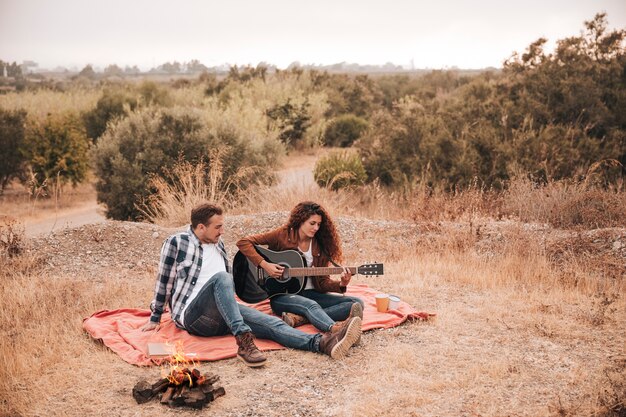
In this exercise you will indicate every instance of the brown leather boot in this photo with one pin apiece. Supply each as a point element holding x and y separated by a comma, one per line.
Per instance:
<point>248,352</point>
<point>355,311</point>
<point>336,343</point>
<point>294,320</point>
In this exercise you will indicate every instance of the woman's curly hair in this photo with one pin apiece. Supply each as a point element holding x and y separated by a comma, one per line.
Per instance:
<point>326,236</point>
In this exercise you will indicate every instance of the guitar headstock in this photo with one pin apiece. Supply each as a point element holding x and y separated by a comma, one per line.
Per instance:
<point>370,269</point>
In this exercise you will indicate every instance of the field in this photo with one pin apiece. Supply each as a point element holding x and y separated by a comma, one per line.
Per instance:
<point>529,317</point>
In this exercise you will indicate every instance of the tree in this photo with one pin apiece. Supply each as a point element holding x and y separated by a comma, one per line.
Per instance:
<point>13,70</point>
<point>113,69</point>
<point>171,67</point>
<point>113,103</point>
<point>57,147</point>
<point>579,88</point>
<point>292,121</point>
<point>87,72</point>
<point>195,66</point>
<point>12,158</point>
<point>247,73</point>
<point>131,70</point>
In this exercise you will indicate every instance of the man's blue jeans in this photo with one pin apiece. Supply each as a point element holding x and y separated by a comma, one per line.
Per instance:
<point>214,312</point>
<point>322,309</point>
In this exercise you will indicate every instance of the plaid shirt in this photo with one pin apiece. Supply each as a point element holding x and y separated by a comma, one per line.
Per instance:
<point>179,268</point>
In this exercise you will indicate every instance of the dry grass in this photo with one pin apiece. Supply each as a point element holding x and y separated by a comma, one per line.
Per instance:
<point>186,185</point>
<point>511,338</point>
<point>39,103</point>
<point>528,323</point>
<point>44,353</point>
<point>565,204</point>
<point>22,203</point>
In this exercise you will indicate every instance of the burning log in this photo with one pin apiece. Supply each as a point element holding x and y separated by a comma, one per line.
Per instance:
<point>168,394</point>
<point>142,392</point>
<point>182,387</point>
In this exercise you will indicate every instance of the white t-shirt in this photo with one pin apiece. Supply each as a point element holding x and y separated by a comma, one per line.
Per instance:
<point>308,256</point>
<point>212,263</point>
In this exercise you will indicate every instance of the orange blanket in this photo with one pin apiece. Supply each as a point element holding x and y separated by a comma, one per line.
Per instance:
<point>120,330</point>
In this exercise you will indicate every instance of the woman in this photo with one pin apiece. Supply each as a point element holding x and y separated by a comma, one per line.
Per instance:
<point>322,302</point>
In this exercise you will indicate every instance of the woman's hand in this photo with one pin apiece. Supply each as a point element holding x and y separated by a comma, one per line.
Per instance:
<point>346,276</point>
<point>273,270</point>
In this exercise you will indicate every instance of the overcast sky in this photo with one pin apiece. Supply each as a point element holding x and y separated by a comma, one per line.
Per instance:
<point>147,33</point>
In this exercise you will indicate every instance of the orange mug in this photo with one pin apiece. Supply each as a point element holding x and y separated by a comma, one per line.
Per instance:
<point>382,302</point>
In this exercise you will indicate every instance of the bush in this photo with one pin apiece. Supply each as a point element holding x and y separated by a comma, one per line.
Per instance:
<point>154,95</point>
<point>149,143</point>
<point>552,115</point>
<point>411,144</point>
<point>344,130</point>
<point>339,170</point>
<point>113,103</point>
<point>11,145</point>
<point>57,149</point>
<point>292,121</point>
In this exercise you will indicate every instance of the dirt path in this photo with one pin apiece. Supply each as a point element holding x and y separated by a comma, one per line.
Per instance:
<point>89,212</point>
<point>298,169</point>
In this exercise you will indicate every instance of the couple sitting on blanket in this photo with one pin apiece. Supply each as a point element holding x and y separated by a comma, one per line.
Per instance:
<point>194,281</point>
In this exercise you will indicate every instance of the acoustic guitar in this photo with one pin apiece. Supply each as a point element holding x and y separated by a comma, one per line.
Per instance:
<point>296,273</point>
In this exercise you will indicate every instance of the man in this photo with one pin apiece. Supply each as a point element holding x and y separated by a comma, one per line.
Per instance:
<point>194,281</point>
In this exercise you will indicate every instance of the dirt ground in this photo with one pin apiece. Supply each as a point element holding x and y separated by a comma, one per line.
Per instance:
<point>495,348</point>
<point>490,351</point>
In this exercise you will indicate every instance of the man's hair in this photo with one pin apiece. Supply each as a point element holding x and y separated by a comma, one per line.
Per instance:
<point>202,213</point>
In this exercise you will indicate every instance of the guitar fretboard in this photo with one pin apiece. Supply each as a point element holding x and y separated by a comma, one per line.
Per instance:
<point>310,272</point>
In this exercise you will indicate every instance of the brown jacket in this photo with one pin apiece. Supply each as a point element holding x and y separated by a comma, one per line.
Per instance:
<point>284,239</point>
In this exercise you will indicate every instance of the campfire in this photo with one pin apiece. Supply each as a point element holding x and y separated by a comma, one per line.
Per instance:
<point>181,386</point>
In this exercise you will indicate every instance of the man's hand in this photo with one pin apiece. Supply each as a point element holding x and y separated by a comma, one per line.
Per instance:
<point>346,276</point>
<point>273,270</point>
<point>150,325</point>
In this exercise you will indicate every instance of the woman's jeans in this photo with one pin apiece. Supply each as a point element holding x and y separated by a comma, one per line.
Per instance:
<point>322,309</point>
<point>215,312</point>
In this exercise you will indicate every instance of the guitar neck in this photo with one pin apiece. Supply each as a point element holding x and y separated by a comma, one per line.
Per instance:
<point>313,272</point>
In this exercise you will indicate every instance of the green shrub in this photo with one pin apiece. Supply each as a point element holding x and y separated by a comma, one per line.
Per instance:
<point>150,142</point>
<point>57,149</point>
<point>12,158</point>
<point>339,170</point>
<point>292,121</point>
<point>550,115</point>
<point>344,130</point>
<point>411,144</point>
<point>113,103</point>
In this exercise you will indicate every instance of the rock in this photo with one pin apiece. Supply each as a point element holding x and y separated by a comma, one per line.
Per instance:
<point>155,235</point>
<point>617,245</point>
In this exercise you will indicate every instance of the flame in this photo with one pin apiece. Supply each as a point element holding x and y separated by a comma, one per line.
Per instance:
<point>178,369</point>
